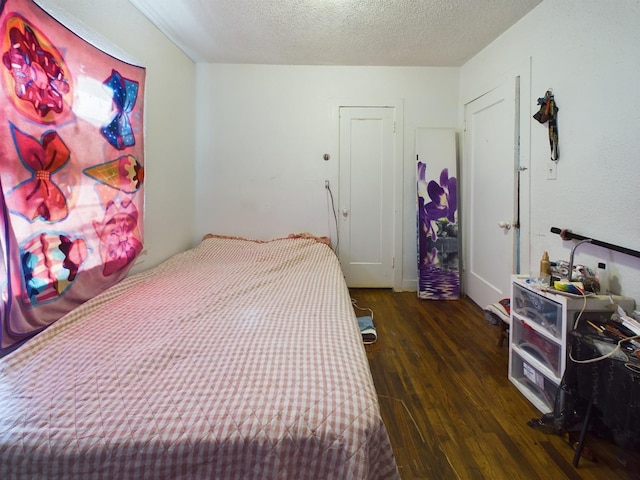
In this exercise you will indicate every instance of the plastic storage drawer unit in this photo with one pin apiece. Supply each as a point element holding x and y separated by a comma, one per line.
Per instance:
<point>540,390</point>
<point>537,308</point>
<point>534,343</point>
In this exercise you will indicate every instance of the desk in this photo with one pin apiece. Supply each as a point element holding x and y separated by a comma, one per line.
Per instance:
<point>611,385</point>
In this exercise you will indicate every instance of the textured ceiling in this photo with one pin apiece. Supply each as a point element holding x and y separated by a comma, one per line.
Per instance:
<point>334,32</point>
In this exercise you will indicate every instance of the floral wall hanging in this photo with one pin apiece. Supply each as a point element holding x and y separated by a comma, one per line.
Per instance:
<point>71,170</point>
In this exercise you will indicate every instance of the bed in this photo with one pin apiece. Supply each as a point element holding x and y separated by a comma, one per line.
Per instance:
<point>235,359</point>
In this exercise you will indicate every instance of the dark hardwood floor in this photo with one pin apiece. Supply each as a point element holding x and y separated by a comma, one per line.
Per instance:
<point>448,405</point>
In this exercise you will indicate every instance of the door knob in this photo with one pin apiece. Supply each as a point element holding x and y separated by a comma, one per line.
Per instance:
<point>505,225</point>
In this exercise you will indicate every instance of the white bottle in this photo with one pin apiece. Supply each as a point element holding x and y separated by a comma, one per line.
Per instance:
<point>602,278</point>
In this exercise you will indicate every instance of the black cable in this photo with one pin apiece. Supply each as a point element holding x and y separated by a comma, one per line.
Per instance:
<point>335,218</point>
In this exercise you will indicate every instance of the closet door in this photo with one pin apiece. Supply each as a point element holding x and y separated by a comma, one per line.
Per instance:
<point>490,217</point>
<point>366,212</point>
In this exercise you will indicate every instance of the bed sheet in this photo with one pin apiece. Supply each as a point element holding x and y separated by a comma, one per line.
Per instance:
<point>236,359</point>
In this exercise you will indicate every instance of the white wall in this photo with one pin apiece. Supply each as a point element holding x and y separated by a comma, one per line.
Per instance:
<point>263,130</point>
<point>117,27</point>
<point>586,51</point>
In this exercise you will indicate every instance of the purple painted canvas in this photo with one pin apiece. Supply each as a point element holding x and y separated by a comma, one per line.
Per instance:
<point>438,245</point>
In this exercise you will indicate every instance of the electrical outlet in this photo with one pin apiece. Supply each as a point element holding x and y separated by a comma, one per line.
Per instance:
<point>326,184</point>
<point>552,172</point>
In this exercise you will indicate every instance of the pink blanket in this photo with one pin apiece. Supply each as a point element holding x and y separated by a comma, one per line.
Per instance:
<point>236,359</point>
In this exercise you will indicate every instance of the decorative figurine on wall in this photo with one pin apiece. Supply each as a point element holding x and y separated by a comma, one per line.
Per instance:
<point>548,113</point>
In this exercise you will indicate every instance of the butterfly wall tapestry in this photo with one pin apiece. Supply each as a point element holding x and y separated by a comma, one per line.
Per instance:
<point>71,170</point>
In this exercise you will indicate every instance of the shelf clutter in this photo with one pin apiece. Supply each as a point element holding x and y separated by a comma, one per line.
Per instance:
<point>603,375</point>
<point>541,320</point>
<point>574,349</point>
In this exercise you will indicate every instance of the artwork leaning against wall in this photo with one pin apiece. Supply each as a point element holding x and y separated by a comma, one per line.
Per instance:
<point>438,240</point>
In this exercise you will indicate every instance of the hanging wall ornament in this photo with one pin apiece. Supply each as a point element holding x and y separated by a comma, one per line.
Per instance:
<point>548,113</point>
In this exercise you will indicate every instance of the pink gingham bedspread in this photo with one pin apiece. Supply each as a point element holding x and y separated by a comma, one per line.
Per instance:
<point>236,359</point>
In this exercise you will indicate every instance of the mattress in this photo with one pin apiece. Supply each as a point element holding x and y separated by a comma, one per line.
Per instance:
<point>236,359</point>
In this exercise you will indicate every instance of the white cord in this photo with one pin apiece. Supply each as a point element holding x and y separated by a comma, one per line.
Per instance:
<point>355,304</point>
<point>584,307</point>
<point>606,355</point>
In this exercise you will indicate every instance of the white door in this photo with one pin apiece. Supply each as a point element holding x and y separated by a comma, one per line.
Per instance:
<point>489,217</point>
<point>366,201</point>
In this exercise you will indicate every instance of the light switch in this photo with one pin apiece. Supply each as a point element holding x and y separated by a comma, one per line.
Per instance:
<point>552,172</point>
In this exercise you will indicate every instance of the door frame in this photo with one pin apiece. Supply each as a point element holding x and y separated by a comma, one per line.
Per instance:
<point>522,188</point>
<point>398,169</point>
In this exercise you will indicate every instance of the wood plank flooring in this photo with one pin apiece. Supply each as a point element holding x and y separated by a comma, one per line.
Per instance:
<point>449,407</point>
